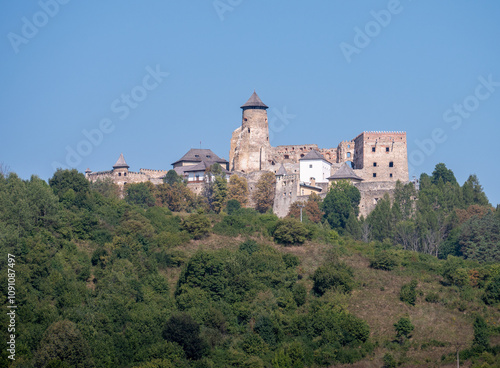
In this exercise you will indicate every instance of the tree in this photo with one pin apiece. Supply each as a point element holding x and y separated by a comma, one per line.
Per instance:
<point>171,177</point>
<point>106,187</point>
<point>342,199</point>
<point>404,201</point>
<point>215,187</point>
<point>64,180</point>
<point>403,327</point>
<point>408,293</point>
<point>219,194</point>
<point>481,340</point>
<point>441,172</point>
<point>140,194</point>
<point>183,329</point>
<point>197,224</point>
<point>311,210</point>
<point>336,276</point>
<point>290,231</point>
<point>263,196</point>
<point>473,192</point>
<point>238,189</point>
<point>63,343</point>
<point>380,219</point>
<point>176,197</point>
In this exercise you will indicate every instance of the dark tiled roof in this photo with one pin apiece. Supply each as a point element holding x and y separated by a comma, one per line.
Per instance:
<point>254,101</point>
<point>202,166</point>
<point>313,155</point>
<point>198,155</point>
<point>345,172</point>
<point>120,163</point>
<point>281,170</point>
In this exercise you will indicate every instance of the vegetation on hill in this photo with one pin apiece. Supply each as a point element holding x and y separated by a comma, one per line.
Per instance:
<point>166,278</point>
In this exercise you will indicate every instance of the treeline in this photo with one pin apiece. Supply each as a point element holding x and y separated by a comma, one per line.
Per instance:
<point>93,286</point>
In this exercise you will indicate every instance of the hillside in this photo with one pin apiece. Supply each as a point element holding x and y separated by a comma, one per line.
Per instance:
<point>101,281</point>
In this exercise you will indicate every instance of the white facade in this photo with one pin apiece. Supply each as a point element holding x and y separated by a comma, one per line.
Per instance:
<point>318,169</point>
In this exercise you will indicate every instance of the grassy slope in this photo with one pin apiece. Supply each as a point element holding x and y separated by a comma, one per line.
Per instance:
<point>376,300</point>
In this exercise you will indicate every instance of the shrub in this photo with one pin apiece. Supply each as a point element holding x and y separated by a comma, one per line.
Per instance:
<point>337,276</point>
<point>299,294</point>
<point>182,329</point>
<point>492,292</point>
<point>403,327</point>
<point>432,298</point>
<point>383,261</point>
<point>290,231</point>
<point>408,293</point>
<point>389,361</point>
<point>232,206</point>
<point>197,225</point>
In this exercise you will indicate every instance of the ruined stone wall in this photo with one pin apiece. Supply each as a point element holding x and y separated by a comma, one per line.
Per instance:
<point>345,151</point>
<point>372,192</point>
<point>291,154</point>
<point>381,156</point>
<point>285,193</point>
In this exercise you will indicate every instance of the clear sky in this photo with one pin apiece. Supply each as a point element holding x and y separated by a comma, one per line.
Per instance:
<point>83,81</point>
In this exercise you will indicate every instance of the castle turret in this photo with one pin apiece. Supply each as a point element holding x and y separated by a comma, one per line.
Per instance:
<point>250,142</point>
<point>121,167</point>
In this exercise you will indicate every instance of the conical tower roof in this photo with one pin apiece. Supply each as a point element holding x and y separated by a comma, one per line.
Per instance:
<point>345,172</point>
<point>281,171</point>
<point>254,102</point>
<point>120,164</point>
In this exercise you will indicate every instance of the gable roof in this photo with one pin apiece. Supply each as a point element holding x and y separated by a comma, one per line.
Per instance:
<point>281,170</point>
<point>345,172</point>
<point>198,155</point>
<point>254,101</point>
<point>202,166</point>
<point>313,155</point>
<point>120,163</point>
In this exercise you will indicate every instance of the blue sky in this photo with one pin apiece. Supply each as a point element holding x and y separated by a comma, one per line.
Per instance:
<point>152,79</point>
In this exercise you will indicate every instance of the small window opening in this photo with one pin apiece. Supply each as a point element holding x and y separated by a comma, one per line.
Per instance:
<point>374,175</point>
<point>386,149</point>
<point>310,166</point>
<point>287,157</point>
<point>348,154</point>
<point>374,164</point>
<point>373,149</point>
<point>248,130</point>
<point>391,164</point>
<point>390,175</point>
<point>119,174</point>
<point>124,174</point>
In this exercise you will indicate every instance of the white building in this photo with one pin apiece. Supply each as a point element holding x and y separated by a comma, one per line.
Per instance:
<point>314,166</point>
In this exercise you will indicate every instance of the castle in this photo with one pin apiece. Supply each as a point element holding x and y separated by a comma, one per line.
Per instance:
<point>373,162</point>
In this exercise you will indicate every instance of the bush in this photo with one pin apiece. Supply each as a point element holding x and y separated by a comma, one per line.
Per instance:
<point>290,231</point>
<point>299,294</point>
<point>383,261</point>
<point>197,225</point>
<point>403,327</point>
<point>432,298</point>
<point>389,361</point>
<point>408,293</point>
<point>232,206</point>
<point>182,329</point>
<point>336,276</point>
<point>492,292</point>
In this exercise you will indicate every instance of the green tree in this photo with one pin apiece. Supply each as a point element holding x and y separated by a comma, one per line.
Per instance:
<point>171,177</point>
<point>106,187</point>
<point>64,180</point>
<point>481,340</point>
<point>263,195</point>
<point>342,199</point>
<point>183,329</point>
<point>197,224</point>
<point>408,293</point>
<point>404,328</point>
<point>290,231</point>
<point>443,173</point>
<point>140,194</point>
<point>336,276</point>
<point>380,220</point>
<point>63,343</point>
<point>219,194</point>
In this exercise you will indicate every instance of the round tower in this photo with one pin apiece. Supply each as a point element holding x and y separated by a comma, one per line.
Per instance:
<point>249,143</point>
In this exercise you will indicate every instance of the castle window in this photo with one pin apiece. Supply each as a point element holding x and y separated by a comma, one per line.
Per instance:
<point>374,175</point>
<point>390,175</point>
<point>386,149</point>
<point>248,130</point>
<point>310,166</point>
<point>374,164</point>
<point>124,174</point>
<point>391,164</point>
<point>196,155</point>
<point>119,174</point>
<point>348,146</point>
<point>245,119</point>
<point>287,157</point>
<point>373,149</point>
<point>348,154</point>
<point>208,156</point>
<point>302,155</point>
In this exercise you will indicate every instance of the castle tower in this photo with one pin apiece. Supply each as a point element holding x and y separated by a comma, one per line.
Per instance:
<point>121,167</point>
<point>250,142</point>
